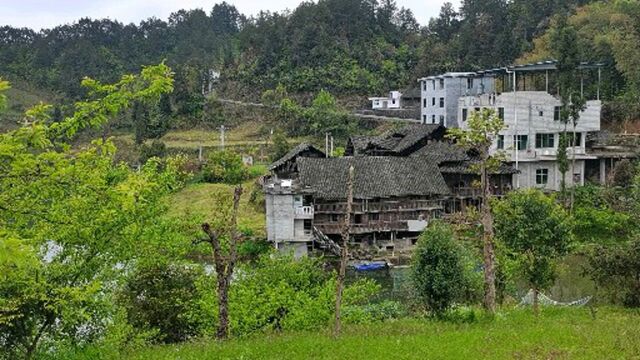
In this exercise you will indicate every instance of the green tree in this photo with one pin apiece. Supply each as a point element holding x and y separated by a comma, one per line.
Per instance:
<point>482,129</point>
<point>536,231</point>
<point>280,146</point>
<point>615,268</point>
<point>71,217</point>
<point>564,44</point>
<point>4,86</point>
<point>438,271</point>
<point>225,167</point>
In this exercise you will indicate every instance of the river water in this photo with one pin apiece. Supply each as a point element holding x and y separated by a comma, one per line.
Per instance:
<point>571,283</point>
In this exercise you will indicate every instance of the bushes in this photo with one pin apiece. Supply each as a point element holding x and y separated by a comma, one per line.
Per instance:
<point>165,299</point>
<point>616,269</point>
<point>439,273</point>
<point>225,167</point>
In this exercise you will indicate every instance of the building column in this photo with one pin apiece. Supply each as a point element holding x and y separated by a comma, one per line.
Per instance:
<point>603,172</point>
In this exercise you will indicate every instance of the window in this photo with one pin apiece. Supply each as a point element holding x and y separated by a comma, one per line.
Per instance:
<point>334,218</point>
<point>433,101</point>
<point>393,101</point>
<point>556,113</point>
<point>374,217</point>
<point>433,119</point>
<point>357,219</point>
<point>500,142</point>
<point>501,113</point>
<point>464,114</point>
<point>424,119</point>
<point>545,141</point>
<point>542,176</point>
<point>424,102</point>
<point>521,141</point>
<point>441,84</point>
<point>577,141</point>
<point>307,225</point>
<point>541,113</point>
<point>424,85</point>
<point>433,82</point>
<point>442,102</point>
<point>470,83</point>
<point>441,119</point>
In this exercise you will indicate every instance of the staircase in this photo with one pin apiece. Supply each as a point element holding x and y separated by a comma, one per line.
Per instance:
<point>325,243</point>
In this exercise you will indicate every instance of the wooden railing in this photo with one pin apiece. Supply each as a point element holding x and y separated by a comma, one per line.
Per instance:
<point>412,205</point>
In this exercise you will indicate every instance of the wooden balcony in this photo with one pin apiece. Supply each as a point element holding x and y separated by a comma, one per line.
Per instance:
<point>378,226</point>
<point>374,207</point>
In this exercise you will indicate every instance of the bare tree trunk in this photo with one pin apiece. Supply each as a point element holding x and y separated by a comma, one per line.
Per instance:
<point>536,305</point>
<point>343,252</point>
<point>224,265</point>
<point>487,238</point>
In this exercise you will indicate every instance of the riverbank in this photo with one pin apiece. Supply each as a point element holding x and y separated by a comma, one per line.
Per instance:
<point>559,333</point>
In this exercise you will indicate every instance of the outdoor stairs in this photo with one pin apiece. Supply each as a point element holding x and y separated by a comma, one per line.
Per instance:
<point>325,243</point>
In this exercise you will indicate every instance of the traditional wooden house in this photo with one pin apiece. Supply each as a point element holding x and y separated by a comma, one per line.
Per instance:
<point>403,179</point>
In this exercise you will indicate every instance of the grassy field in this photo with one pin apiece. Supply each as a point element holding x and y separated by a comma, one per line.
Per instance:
<point>559,333</point>
<point>197,199</point>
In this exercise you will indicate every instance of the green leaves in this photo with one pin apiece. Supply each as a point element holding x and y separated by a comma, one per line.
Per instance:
<point>535,231</point>
<point>71,218</point>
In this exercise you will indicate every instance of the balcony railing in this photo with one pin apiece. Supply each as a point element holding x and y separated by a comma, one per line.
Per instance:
<point>304,212</point>
<point>399,206</point>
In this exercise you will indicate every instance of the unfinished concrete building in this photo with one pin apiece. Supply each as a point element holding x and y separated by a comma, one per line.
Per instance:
<point>525,97</point>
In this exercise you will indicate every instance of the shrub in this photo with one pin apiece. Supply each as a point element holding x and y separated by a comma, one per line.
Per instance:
<point>156,149</point>
<point>165,298</point>
<point>615,269</point>
<point>225,167</point>
<point>623,173</point>
<point>438,269</point>
<point>279,292</point>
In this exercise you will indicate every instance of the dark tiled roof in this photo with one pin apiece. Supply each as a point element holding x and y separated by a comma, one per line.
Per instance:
<point>375,177</point>
<point>465,167</point>
<point>394,141</point>
<point>304,147</point>
<point>442,151</point>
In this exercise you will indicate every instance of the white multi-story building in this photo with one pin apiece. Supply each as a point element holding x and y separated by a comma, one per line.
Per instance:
<point>440,95</point>
<point>523,97</point>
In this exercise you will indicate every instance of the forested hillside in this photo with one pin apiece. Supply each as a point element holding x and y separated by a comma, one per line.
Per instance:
<point>343,46</point>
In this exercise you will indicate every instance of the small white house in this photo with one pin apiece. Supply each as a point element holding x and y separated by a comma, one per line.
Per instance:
<point>390,102</point>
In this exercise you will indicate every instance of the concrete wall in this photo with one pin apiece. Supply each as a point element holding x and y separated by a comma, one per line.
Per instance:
<point>297,249</point>
<point>280,215</point>
<point>527,176</point>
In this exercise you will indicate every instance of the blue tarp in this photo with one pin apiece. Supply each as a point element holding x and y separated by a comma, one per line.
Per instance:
<point>370,266</point>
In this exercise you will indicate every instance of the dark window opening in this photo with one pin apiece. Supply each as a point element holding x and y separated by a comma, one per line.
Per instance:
<point>464,114</point>
<point>542,176</point>
<point>441,102</point>
<point>500,142</point>
<point>521,141</point>
<point>357,218</point>
<point>374,216</point>
<point>545,141</point>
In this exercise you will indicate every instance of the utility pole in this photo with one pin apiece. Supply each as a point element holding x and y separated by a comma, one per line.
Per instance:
<point>346,229</point>
<point>326,144</point>
<point>331,146</point>
<point>222,137</point>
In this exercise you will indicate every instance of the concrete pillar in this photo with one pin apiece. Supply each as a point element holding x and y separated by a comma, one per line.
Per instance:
<point>603,172</point>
